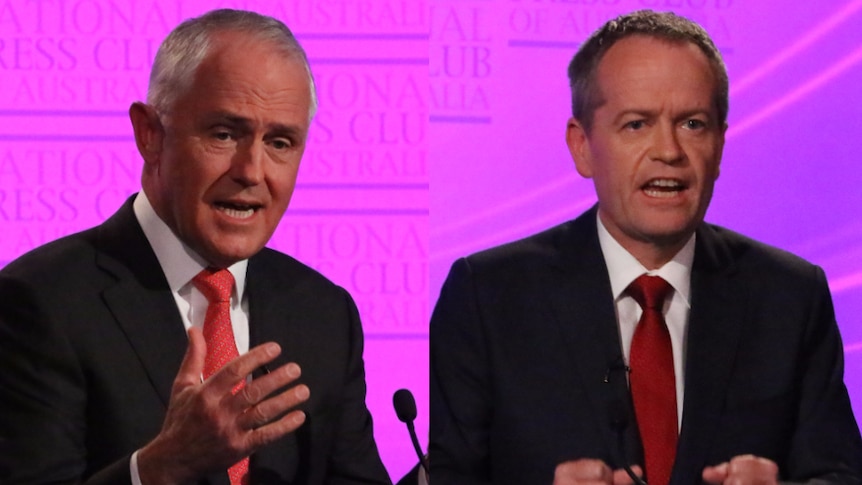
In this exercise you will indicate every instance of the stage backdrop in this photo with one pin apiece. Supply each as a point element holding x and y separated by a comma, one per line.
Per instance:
<point>480,104</point>
<point>790,175</point>
<point>70,69</point>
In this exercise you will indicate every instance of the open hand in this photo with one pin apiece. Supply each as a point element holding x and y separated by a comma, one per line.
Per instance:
<point>209,428</point>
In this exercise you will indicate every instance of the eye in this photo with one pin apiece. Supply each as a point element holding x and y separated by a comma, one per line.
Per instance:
<point>281,143</point>
<point>222,135</point>
<point>694,124</point>
<point>635,125</point>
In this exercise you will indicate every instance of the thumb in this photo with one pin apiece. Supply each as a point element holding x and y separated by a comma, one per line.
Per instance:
<point>621,477</point>
<point>192,366</point>
<point>715,474</point>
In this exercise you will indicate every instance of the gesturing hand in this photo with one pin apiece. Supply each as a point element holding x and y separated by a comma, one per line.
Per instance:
<point>208,428</point>
<point>591,472</point>
<point>743,470</point>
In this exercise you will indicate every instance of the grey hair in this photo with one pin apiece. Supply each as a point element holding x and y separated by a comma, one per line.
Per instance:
<point>586,95</point>
<point>182,52</point>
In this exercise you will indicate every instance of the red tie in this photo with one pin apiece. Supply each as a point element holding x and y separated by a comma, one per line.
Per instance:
<point>217,286</point>
<point>652,379</point>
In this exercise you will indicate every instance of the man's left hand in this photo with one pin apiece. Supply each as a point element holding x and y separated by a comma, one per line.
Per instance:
<point>742,470</point>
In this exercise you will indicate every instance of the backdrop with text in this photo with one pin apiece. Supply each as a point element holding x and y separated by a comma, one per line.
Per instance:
<point>500,168</point>
<point>71,68</point>
<point>476,111</point>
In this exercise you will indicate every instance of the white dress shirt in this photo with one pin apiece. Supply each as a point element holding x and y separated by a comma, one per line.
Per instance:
<point>623,268</point>
<point>180,264</point>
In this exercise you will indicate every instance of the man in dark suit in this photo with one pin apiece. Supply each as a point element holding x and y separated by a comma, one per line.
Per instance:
<point>107,375</point>
<point>534,374</point>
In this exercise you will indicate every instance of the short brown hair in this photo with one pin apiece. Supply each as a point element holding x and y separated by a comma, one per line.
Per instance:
<point>586,96</point>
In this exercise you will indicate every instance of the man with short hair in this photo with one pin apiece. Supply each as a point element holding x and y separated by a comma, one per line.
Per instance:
<point>637,336</point>
<point>167,345</point>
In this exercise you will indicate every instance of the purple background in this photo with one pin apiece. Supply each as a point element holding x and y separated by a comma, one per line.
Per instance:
<point>69,69</point>
<point>790,174</point>
<point>480,105</point>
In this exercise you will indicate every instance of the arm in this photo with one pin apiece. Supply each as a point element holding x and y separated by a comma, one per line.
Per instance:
<point>820,441</point>
<point>460,385</point>
<point>354,457</point>
<point>42,395</point>
<point>826,446</point>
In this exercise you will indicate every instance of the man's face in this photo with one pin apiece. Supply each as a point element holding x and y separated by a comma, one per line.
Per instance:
<point>230,149</point>
<point>655,144</point>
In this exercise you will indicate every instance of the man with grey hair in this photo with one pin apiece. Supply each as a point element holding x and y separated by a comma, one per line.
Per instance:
<point>168,345</point>
<point>637,341</point>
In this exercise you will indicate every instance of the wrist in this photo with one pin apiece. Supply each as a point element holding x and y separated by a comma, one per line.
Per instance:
<point>157,468</point>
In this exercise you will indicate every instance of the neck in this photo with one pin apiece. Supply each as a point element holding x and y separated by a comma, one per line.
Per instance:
<point>651,252</point>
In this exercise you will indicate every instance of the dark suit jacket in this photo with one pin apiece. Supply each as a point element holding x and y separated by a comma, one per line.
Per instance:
<point>527,371</point>
<point>91,340</point>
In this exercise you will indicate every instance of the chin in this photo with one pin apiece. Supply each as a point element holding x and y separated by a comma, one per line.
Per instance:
<point>224,257</point>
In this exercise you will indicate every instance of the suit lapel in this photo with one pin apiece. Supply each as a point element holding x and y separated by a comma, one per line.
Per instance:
<point>270,319</point>
<point>718,309</point>
<point>141,300</point>
<point>270,309</point>
<point>586,319</point>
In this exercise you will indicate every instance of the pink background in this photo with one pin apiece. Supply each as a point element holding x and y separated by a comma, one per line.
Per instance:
<point>480,104</point>
<point>69,69</point>
<point>790,173</point>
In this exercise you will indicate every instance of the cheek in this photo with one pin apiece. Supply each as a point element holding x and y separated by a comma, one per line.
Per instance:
<point>282,179</point>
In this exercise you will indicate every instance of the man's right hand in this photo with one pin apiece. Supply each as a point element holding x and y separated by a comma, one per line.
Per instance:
<point>208,428</point>
<point>591,472</point>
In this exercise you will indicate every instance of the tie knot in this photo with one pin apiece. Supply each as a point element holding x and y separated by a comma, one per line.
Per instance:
<point>649,291</point>
<point>215,284</point>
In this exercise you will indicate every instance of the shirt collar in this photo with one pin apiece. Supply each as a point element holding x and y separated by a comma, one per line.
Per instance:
<point>623,268</point>
<point>178,261</point>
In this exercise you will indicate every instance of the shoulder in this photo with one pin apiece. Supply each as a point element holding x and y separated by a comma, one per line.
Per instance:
<point>549,248</point>
<point>76,257</point>
<point>287,274</point>
<point>741,254</point>
<point>56,261</point>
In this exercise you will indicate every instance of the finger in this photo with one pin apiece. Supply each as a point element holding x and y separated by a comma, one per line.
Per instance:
<point>239,368</point>
<point>268,433</point>
<point>193,362</point>
<point>750,467</point>
<point>258,389</point>
<point>621,477</point>
<point>582,471</point>
<point>715,474</point>
<point>273,407</point>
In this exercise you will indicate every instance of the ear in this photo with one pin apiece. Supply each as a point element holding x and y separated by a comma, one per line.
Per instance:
<point>720,151</point>
<point>579,147</point>
<point>149,132</point>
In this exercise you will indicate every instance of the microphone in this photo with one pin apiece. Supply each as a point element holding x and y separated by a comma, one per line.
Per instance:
<point>619,422</point>
<point>405,409</point>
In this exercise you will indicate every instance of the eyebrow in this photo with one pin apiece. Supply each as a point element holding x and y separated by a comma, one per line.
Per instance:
<point>647,113</point>
<point>246,123</point>
<point>642,113</point>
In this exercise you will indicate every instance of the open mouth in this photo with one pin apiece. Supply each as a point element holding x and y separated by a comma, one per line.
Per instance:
<point>237,211</point>
<point>663,188</point>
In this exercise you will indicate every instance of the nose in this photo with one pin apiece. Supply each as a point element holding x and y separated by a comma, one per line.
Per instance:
<point>247,166</point>
<point>666,147</point>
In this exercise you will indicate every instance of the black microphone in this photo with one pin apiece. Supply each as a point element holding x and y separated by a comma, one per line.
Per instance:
<point>405,409</point>
<point>619,422</point>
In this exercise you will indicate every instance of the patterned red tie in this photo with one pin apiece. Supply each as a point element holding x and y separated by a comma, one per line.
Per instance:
<point>217,286</point>
<point>652,379</point>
